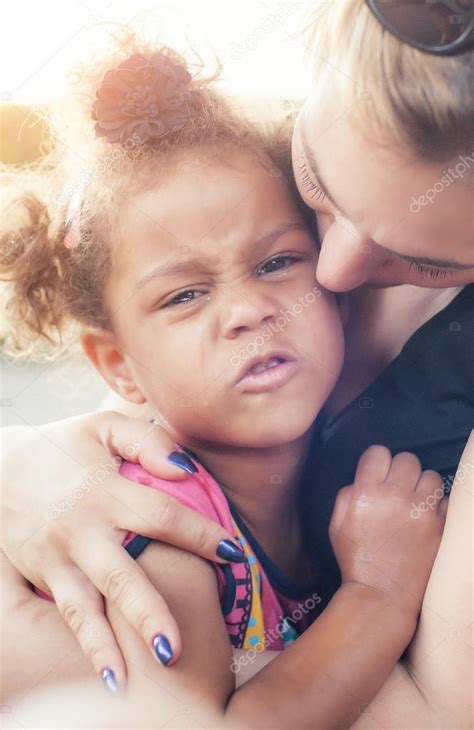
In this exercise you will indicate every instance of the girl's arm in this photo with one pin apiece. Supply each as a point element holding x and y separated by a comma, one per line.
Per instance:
<point>355,643</point>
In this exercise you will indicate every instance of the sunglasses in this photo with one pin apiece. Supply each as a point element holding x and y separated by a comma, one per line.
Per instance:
<point>439,27</point>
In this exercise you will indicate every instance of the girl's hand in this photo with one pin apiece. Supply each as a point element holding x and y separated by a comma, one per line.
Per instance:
<point>386,527</point>
<point>65,511</point>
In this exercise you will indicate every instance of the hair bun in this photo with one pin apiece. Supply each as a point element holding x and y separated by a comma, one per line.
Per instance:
<point>143,99</point>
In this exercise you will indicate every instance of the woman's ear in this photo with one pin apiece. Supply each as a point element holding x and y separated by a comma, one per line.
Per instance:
<point>101,348</point>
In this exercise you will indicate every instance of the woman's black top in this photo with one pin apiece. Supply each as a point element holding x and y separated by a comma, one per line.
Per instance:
<point>422,402</point>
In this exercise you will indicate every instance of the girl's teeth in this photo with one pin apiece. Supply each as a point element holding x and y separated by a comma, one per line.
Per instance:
<point>260,367</point>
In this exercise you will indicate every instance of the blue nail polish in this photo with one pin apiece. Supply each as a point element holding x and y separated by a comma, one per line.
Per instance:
<point>163,650</point>
<point>183,461</point>
<point>108,678</point>
<point>228,551</point>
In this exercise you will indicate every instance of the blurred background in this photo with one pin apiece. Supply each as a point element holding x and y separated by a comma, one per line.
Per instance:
<point>260,45</point>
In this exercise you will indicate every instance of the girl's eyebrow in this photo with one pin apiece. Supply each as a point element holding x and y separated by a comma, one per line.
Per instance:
<point>269,238</point>
<point>193,264</point>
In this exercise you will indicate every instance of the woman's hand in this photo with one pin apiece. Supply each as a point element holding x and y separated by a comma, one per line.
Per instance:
<point>65,511</point>
<point>386,528</point>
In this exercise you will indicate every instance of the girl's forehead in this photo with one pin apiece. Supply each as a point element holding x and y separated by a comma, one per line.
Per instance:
<point>218,208</point>
<point>193,203</point>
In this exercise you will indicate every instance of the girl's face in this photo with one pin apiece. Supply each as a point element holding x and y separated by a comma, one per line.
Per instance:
<point>213,272</point>
<point>382,220</point>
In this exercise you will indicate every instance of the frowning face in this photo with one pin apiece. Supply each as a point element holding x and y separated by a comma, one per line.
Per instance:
<point>216,307</point>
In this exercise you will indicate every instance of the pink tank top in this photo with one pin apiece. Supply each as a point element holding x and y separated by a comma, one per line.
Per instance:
<point>257,615</point>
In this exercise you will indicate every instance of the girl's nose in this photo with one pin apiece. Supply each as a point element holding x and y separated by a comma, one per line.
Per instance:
<point>243,311</point>
<point>346,259</point>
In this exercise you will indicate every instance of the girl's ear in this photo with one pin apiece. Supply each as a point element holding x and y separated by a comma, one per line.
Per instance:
<point>102,350</point>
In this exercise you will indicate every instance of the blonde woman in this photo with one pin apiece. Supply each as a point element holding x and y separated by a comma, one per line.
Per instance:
<point>383,152</point>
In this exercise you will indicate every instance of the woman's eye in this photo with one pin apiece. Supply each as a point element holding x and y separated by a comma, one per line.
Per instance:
<point>308,185</point>
<point>277,263</point>
<point>183,297</point>
<point>429,271</point>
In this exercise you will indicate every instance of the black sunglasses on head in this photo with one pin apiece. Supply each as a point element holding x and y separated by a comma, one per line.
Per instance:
<point>439,27</point>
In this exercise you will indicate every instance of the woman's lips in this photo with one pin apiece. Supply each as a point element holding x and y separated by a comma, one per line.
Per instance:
<point>269,379</point>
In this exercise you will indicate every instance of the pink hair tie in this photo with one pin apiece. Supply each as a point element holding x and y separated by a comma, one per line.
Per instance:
<point>72,227</point>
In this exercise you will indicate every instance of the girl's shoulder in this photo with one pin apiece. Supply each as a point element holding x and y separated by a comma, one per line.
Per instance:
<point>198,491</point>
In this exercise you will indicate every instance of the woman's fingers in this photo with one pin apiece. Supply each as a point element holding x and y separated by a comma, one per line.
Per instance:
<point>124,583</point>
<point>152,513</point>
<point>139,441</point>
<point>82,607</point>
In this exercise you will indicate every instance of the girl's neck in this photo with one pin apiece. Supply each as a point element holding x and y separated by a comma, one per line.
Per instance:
<point>263,485</point>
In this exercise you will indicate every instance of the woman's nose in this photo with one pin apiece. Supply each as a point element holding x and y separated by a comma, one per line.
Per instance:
<point>346,259</point>
<point>244,311</point>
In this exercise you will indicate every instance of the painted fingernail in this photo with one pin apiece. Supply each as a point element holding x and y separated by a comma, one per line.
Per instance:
<point>163,650</point>
<point>183,461</point>
<point>108,678</point>
<point>228,551</point>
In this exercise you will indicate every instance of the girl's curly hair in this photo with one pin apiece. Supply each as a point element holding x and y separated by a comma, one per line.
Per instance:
<point>53,286</point>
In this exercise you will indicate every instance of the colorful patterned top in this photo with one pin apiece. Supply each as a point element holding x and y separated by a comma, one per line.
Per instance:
<point>262,608</point>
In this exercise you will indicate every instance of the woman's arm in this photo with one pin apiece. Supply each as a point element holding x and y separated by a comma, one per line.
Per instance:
<point>432,687</point>
<point>356,642</point>
<point>60,481</point>
<point>323,679</point>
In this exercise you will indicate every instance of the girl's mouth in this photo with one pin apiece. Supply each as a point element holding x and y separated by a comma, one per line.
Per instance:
<point>267,374</point>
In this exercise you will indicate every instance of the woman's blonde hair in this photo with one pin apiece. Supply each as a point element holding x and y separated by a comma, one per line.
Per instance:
<point>52,290</point>
<point>420,102</point>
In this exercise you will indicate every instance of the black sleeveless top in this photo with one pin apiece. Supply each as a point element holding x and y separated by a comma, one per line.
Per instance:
<point>422,402</point>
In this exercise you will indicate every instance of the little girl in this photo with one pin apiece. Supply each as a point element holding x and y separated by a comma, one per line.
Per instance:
<point>185,258</point>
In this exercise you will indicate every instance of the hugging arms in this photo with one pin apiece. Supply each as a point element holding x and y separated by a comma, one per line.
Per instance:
<point>417,690</point>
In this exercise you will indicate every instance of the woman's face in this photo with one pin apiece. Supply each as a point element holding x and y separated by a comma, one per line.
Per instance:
<point>382,220</point>
<point>213,271</point>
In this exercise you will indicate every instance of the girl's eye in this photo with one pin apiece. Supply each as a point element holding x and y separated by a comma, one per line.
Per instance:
<point>183,298</point>
<point>277,263</point>
<point>310,187</point>
<point>429,271</point>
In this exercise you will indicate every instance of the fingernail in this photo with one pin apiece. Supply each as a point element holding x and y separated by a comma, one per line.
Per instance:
<point>163,650</point>
<point>183,461</point>
<point>108,678</point>
<point>228,551</point>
